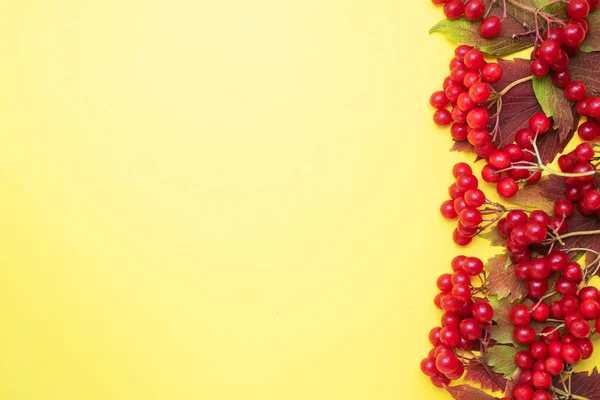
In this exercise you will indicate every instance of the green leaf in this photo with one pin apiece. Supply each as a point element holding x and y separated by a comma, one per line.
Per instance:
<point>551,9</point>
<point>495,238</point>
<point>555,105</point>
<point>502,332</point>
<point>479,373</point>
<point>462,31</point>
<point>515,34</point>
<point>502,360</point>
<point>592,40</point>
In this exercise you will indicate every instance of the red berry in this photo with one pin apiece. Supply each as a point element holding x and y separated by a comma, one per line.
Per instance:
<point>561,79</point>
<point>472,266</point>
<point>575,91</point>
<point>539,68</point>
<point>461,168</point>
<point>480,92</point>
<point>438,99</point>
<point>524,335</point>
<point>570,353</point>
<point>478,118</point>
<point>446,363</point>
<point>578,9</point>
<point>540,312</point>
<point>491,72</point>
<point>573,34</point>
<point>428,367</point>
<point>554,365</point>
<point>470,329</point>
<point>454,9</point>
<point>489,174</point>
<point>474,198</point>
<point>474,59</point>
<point>474,10</point>
<point>542,380</point>
<point>442,117</point>
<point>490,27</point>
<point>466,182</point>
<point>589,130</point>
<point>507,187</point>
<point>539,123</point>
<point>549,51</point>
<point>519,315</point>
<point>482,311</point>
<point>523,360</point>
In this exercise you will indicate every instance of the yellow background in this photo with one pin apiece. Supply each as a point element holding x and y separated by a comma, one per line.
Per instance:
<point>220,200</point>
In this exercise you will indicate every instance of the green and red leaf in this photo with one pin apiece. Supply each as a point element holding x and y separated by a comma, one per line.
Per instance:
<point>502,360</point>
<point>502,281</point>
<point>479,373</point>
<point>586,386</point>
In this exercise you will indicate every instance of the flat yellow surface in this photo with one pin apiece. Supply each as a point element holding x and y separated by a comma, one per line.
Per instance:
<point>220,200</point>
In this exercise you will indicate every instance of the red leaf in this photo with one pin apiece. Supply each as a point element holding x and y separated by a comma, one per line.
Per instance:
<point>584,67</point>
<point>467,392</point>
<point>502,281</point>
<point>586,386</point>
<point>518,105</point>
<point>553,187</point>
<point>579,222</point>
<point>488,379</point>
<point>462,145</point>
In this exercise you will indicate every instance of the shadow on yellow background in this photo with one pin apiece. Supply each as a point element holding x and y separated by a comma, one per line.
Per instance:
<point>220,200</point>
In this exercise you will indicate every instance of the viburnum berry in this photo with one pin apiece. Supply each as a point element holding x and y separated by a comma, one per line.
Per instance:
<point>466,182</point>
<point>507,187</point>
<point>589,293</point>
<point>480,92</point>
<point>522,392</point>
<point>482,311</point>
<point>490,174</point>
<point>465,102</point>
<point>471,78</point>
<point>593,107</point>
<point>539,123</point>
<point>519,315</point>
<point>472,266</point>
<point>539,68</point>
<point>570,353</point>
<point>446,363</point>
<point>490,27</point>
<point>549,51</point>
<point>561,79</point>
<point>454,9</point>
<point>589,130</point>
<point>491,72</point>
<point>575,91</point>
<point>524,334</point>
<point>573,34</point>
<point>474,198</point>
<point>474,10</point>
<point>474,59</point>
<point>478,118</point>
<point>442,117</point>
<point>540,312</point>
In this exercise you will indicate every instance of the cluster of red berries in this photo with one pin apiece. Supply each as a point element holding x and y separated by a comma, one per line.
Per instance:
<point>522,231</point>
<point>473,10</point>
<point>465,92</point>
<point>465,199</point>
<point>555,348</point>
<point>581,189</point>
<point>561,41</point>
<point>500,161</point>
<point>463,323</point>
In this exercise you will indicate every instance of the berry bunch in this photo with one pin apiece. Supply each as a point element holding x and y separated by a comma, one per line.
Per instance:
<point>462,102</point>
<point>465,201</point>
<point>529,315</point>
<point>466,321</point>
<point>557,347</point>
<point>580,189</point>
<point>563,38</point>
<point>472,10</point>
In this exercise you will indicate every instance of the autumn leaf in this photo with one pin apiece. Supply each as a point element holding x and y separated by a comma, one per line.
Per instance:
<point>584,67</point>
<point>462,145</point>
<point>553,8</point>
<point>554,103</point>
<point>579,222</point>
<point>518,105</point>
<point>502,360</point>
<point>512,38</point>
<point>484,376</point>
<point>531,196</point>
<point>468,392</point>
<point>586,386</point>
<point>552,187</point>
<point>494,236</point>
<point>592,40</point>
<point>502,280</point>
<point>502,332</point>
